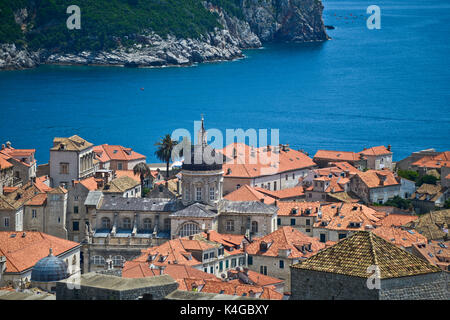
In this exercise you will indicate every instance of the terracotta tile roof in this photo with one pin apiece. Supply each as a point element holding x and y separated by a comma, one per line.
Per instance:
<point>247,193</point>
<point>224,238</point>
<point>177,251</point>
<point>121,184</point>
<point>343,166</point>
<point>348,197</point>
<point>257,278</point>
<point>437,161</point>
<point>38,200</point>
<point>374,178</point>
<point>375,151</point>
<point>42,183</point>
<point>19,197</point>
<point>136,269</point>
<point>7,190</point>
<point>4,164</point>
<point>298,208</point>
<point>353,255</point>
<point>347,216</point>
<point>283,193</point>
<point>433,225</point>
<point>398,236</point>
<point>286,238</point>
<point>253,162</point>
<point>17,153</point>
<point>90,183</point>
<point>337,155</point>
<point>22,253</point>
<point>428,192</point>
<point>435,252</point>
<point>73,143</point>
<point>233,288</point>
<point>107,153</point>
<point>128,173</point>
<point>58,190</point>
<point>396,220</point>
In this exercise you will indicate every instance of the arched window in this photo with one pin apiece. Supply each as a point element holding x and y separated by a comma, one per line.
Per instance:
<point>106,223</point>
<point>118,261</point>
<point>147,224</point>
<point>254,227</point>
<point>189,229</point>
<point>126,223</point>
<point>98,260</point>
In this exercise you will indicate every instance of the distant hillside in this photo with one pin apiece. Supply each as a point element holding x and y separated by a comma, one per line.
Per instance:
<point>104,23</point>
<point>150,32</point>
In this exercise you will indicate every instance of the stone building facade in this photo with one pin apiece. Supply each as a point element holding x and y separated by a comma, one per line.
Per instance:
<point>313,285</point>
<point>70,159</point>
<point>384,271</point>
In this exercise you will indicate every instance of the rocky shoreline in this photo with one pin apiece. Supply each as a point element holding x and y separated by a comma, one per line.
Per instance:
<point>293,23</point>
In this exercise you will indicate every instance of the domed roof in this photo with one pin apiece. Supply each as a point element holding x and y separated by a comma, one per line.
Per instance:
<point>49,269</point>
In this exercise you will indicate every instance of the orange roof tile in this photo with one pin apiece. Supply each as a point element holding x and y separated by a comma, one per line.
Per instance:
<point>286,238</point>
<point>22,253</point>
<point>399,237</point>
<point>4,164</point>
<point>41,183</point>
<point>396,220</point>
<point>137,269</point>
<point>374,178</point>
<point>107,152</point>
<point>336,155</point>
<point>296,209</point>
<point>375,151</point>
<point>339,216</point>
<point>437,161</point>
<point>283,193</point>
<point>37,200</point>
<point>248,193</point>
<point>253,162</point>
<point>128,173</point>
<point>90,183</point>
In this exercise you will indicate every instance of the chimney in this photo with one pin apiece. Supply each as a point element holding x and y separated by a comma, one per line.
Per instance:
<point>73,182</point>
<point>3,147</point>
<point>161,270</point>
<point>8,144</point>
<point>208,235</point>
<point>389,147</point>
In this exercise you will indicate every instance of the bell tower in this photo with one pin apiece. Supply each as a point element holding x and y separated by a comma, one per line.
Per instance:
<point>201,182</point>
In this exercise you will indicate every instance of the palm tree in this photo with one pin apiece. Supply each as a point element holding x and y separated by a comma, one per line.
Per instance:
<point>143,171</point>
<point>164,151</point>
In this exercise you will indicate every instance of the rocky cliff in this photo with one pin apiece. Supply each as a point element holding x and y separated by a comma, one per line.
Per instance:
<point>261,21</point>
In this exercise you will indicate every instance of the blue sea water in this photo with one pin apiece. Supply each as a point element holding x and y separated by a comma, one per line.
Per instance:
<point>362,88</point>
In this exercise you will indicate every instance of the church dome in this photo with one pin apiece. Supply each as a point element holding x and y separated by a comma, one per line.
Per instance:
<point>49,269</point>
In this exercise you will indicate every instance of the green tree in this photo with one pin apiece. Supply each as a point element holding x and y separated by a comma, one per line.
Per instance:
<point>164,151</point>
<point>428,179</point>
<point>408,174</point>
<point>143,171</point>
<point>399,202</point>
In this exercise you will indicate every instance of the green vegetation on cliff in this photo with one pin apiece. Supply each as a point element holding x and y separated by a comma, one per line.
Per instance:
<point>105,23</point>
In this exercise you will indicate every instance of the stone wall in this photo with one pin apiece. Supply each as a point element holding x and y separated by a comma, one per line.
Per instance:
<point>433,286</point>
<point>314,285</point>
<point>308,285</point>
